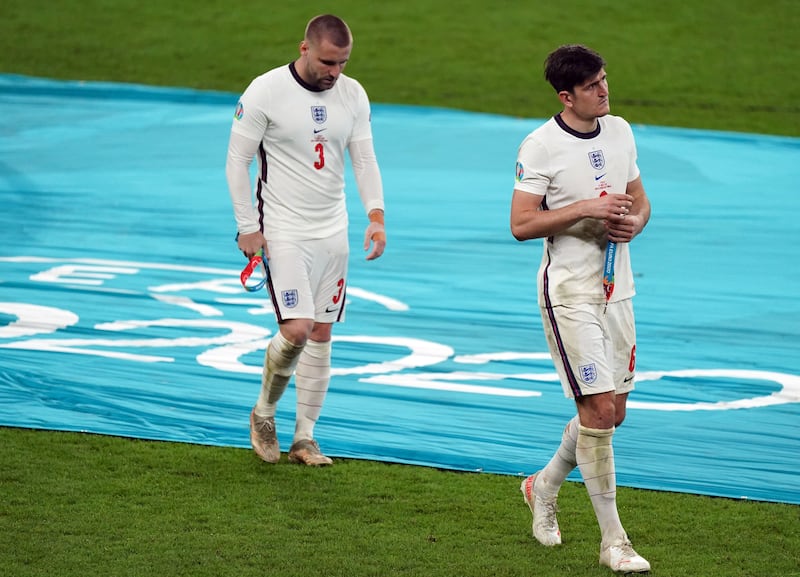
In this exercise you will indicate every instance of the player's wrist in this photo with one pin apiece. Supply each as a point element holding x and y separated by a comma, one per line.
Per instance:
<point>376,229</point>
<point>376,215</point>
<point>585,209</point>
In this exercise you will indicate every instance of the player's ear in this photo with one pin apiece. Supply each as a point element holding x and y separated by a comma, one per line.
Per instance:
<point>565,97</point>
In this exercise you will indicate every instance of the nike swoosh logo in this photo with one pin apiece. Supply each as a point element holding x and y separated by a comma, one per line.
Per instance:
<point>596,177</point>
<point>627,380</point>
<point>318,130</point>
<point>331,309</point>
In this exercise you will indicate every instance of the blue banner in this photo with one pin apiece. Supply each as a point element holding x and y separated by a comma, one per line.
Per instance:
<point>122,312</point>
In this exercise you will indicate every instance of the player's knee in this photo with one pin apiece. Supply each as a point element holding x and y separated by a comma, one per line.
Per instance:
<point>620,402</point>
<point>597,411</point>
<point>321,332</point>
<point>297,331</point>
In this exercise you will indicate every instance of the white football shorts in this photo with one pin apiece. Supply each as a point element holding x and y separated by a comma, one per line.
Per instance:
<point>308,278</point>
<point>593,351</point>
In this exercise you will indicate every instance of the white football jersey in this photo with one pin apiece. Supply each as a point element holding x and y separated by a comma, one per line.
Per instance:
<point>565,166</point>
<point>304,134</point>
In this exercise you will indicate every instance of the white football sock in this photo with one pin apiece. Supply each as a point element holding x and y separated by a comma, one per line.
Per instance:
<point>595,457</point>
<point>280,360</point>
<point>311,383</point>
<point>549,481</point>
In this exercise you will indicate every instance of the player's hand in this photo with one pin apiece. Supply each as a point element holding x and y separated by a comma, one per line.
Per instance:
<point>615,211</point>
<point>611,207</point>
<point>251,243</point>
<point>375,235</point>
<point>624,228</point>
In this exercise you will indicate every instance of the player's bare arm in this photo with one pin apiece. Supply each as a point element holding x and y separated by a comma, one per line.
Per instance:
<point>528,221</point>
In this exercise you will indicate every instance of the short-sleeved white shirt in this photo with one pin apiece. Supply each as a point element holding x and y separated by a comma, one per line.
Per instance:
<point>304,133</point>
<point>565,166</point>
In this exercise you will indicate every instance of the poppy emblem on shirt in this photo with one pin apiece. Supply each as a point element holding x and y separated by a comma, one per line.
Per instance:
<point>597,159</point>
<point>289,298</point>
<point>520,172</point>
<point>319,114</point>
<point>239,111</point>
<point>588,373</point>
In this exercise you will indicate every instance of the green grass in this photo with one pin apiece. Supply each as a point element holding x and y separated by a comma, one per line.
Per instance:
<point>720,64</point>
<point>73,504</point>
<point>77,505</point>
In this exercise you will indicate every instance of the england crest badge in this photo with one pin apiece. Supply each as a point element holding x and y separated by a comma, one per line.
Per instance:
<point>588,373</point>
<point>597,159</point>
<point>289,298</point>
<point>319,114</point>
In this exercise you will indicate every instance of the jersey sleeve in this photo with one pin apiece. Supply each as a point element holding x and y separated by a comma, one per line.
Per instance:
<point>367,173</point>
<point>633,167</point>
<point>362,129</point>
<point>531,171</point>
<point>250,118</point>
<point>240,154</point>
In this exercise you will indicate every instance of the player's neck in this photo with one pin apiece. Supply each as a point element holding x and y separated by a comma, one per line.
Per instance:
<point>300,70</point>
<point>578,123</point>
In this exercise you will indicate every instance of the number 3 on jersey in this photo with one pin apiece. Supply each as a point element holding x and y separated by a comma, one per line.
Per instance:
<point>320,162</point>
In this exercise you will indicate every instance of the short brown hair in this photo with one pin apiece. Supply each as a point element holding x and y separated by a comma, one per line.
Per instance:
<point>570,65</point>
<point>331,28</point>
